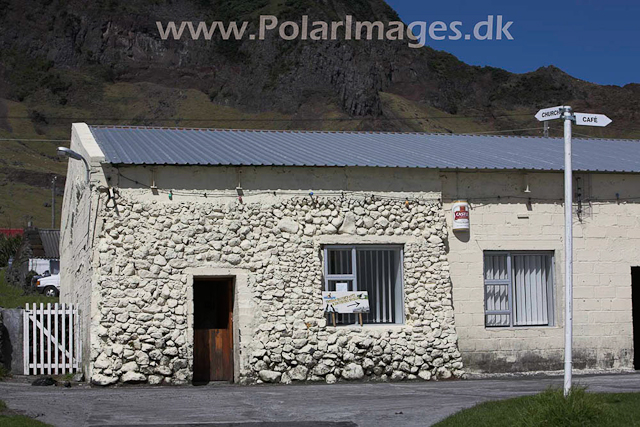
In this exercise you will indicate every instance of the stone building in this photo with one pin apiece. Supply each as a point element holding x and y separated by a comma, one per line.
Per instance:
<point>199,255</point>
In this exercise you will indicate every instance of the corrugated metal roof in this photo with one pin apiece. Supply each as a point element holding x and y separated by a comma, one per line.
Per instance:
<point>180,146</point>
<point>45,243</point>
<point>51,243</point>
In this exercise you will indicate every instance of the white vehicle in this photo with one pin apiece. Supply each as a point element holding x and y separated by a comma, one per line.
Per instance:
<point>49,286</point>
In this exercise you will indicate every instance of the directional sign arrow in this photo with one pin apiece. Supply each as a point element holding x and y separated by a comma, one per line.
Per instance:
<point>599,120</point>
<point>549,113</point>
<point>357,304</point>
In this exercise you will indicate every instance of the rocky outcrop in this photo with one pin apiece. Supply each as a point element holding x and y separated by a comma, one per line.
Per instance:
<point>112,43</point>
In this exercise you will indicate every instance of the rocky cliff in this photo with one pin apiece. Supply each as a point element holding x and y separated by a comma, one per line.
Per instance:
<point>104,62</point>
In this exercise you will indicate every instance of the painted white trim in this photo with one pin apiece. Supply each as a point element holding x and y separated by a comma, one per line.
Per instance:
<point>88,142</point>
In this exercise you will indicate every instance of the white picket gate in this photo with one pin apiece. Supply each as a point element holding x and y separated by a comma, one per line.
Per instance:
<point>51,343</point>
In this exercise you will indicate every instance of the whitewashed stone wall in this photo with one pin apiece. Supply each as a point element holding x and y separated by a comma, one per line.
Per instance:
<point>145,250</point>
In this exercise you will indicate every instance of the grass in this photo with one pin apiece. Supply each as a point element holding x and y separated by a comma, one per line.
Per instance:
<point>14,297</point>
<point>427,117</point>
<point>550,408</point>
<point>9,419</point>
<point>20,199</point>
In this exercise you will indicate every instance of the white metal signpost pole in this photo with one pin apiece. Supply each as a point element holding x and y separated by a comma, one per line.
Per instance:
<point>582,119</point>
<point>568,249</point>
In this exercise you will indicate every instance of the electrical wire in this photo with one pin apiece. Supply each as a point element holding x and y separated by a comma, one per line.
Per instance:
<point>34,140</point>
<point>366,195</point>
<point>334,193</point>
<point>500,131</point>
<point>330,119</point>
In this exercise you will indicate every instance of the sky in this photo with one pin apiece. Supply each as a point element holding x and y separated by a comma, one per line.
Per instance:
<point>596,41</point>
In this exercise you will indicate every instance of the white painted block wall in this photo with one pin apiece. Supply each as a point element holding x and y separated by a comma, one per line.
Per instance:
<point>606,245</point>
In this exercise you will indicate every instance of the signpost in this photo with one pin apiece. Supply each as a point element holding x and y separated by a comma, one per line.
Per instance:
<point>599,120</point>
<point>346,302</point>
<point>549,114</point>
<point>581,119</point>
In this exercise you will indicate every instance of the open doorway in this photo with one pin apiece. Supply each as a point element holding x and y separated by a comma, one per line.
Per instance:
<point>635,303</point>
<point>212,330</point>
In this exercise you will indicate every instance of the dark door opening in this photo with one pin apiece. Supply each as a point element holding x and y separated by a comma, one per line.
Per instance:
<point>212,330</point>
<point>635,311</point>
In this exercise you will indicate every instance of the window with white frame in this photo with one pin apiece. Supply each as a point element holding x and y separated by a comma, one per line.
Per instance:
<point>375,269</point>
<point>518,289</point>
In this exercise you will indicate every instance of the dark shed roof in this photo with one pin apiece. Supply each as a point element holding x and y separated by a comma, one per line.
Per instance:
<point>44,243</point>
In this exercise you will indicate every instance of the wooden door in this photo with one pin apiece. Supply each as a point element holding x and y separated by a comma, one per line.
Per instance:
<point>213,330</point>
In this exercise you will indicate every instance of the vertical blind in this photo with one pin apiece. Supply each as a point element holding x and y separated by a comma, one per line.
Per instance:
<point>532,275</point>
<point>377,271</point>
<point>518,289</point>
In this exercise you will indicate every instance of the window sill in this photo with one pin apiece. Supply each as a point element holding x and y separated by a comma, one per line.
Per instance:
<point>519,328</point>
<point>388,326</point>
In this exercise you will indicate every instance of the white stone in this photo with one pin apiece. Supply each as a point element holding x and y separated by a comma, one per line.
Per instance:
<point>398,376</point>
<point>133,377</point>
<point>287,225</point>
<point>298,373</point>
<point>322,369</point>
<point>434,239</point>
<point>159,260</point>
<point>270,376</point>
<point>155,379</point>
<point>234,259</point>
<point>348,225</point>
<point>309,230</point>
<point>129,270</point>
<point>102,362</point>
<point>444,373</point>
<point>103,380</point>
<point>129,367</point>
<point>425,375</point>
<point>329,229</point>
<point>353,371</point>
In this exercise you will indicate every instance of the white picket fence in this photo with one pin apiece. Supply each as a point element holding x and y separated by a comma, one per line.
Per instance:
<point>51,343</point>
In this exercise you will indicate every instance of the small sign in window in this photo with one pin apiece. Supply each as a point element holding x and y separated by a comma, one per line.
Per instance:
<point>342,287</point>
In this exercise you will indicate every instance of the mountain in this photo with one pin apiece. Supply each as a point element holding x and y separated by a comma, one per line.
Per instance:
<point>104,62</point>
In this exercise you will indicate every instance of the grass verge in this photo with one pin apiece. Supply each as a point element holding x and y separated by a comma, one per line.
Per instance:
<point>14,297</point>
<point>9,419</point>
<point>550,409</point>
